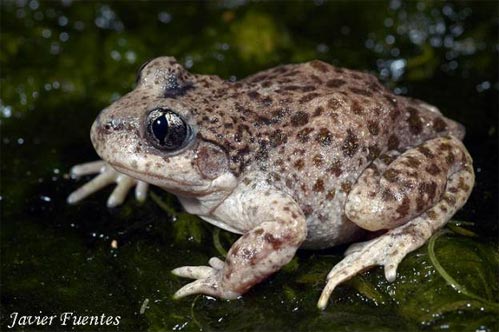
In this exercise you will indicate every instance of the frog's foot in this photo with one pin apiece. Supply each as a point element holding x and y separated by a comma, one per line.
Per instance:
<point>107,175</point>
<point>390,248</point>
<point>208,280</point>
<point>387,250</point>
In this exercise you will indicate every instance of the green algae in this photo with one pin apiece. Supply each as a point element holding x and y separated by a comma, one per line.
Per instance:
<point>60,63</point>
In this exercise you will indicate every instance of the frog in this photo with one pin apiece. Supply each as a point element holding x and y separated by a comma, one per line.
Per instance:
<point>299,156</point>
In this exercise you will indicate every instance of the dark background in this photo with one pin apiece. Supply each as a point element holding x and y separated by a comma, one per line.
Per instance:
<point>61,62</point>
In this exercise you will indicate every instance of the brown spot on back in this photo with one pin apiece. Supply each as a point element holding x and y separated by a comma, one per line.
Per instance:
<point>316,79</point>
<point>318,111</point>
<point>432,169</point>
<point>335,168</point>
<point>330,195</point>
<point>333,103</point>
<point>439,125</point>
<point>253,95</point>
<point>335,83</point>
<point>320,66</point>
<point>324,137</point>
<point>277,138</point>
<point>374,152</point>
<point>425,151</point>
<point>445,147</point>
<point>414,120</point>
<point>299,164</point>
<point>393,142</point>
<point>308,97</point>
<point>318,160</point>
<point>346,187</point>
<point>391,175</point>
<point>412,162</point>
<point>403,209</point>
<point>350,144</point>
<point>303,135</point>
<point>267,101</point>
<point>299,119</point>
<point>356,108</point>
<point>319,186</point>
<point>361,92</point>
<point>428,188</point>
<point>373,127</point>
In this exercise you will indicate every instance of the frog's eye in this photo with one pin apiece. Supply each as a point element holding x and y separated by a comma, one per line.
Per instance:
<point>166,130</point>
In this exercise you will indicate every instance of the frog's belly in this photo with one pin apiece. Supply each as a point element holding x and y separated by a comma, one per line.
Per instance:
<point>329,234</point>
<point>221,224</point>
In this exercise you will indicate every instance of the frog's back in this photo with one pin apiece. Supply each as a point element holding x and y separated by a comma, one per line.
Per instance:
<point>325,126</point>
<point>311,129</point>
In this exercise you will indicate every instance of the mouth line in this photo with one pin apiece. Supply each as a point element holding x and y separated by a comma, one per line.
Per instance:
<point>126,170</point>
<point>196,190</point>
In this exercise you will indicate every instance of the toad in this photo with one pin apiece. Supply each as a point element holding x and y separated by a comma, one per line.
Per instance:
<point>298,156</point>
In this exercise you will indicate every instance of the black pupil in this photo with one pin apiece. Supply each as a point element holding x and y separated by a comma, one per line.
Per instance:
<point>170,130</point>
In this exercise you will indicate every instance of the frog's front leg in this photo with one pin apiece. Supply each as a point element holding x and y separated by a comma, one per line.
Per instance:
<point>107,175</point>
<point>412,195</point>
<point>263,250</point>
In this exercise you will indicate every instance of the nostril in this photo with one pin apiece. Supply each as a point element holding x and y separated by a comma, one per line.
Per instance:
<point>117,125</point>
<point>113,125</point>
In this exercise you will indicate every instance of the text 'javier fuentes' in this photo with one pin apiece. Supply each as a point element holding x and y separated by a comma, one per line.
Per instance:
<point>63,319</point>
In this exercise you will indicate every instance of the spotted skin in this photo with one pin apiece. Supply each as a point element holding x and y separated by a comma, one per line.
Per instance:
<point>412,183</point>
<point>303,155</point>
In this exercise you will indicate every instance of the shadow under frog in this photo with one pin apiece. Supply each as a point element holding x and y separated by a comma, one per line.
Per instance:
<point>297,156</point>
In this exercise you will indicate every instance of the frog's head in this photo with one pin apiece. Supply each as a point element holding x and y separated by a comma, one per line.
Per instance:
<point>151,134</point>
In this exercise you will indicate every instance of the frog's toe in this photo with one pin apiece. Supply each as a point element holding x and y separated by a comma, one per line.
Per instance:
<point>200,286</point>
<point>341,272</point>
<point>200,272</point>
<point>208,280</point>
<point>385,250</point>
<point>141,191</point>
<point>207,286</point>
<point>87,168</point>
<point>194,272</point>
<point>107,176</point>
<point>91,187</point>
<point>391,264</point>
<point>216,263</point>
<point>123,185</point>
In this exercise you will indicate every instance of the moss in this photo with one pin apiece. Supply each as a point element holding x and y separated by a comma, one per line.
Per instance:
<point>60,63</point>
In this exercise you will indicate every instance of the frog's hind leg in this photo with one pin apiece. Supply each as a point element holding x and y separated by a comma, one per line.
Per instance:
<point>420,206</point>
